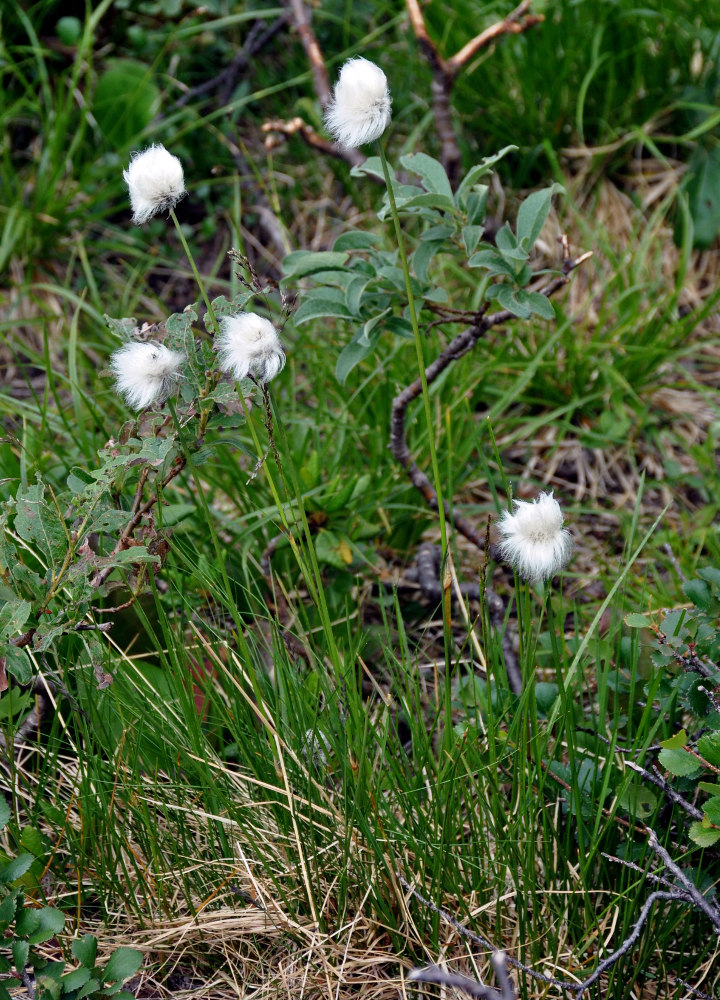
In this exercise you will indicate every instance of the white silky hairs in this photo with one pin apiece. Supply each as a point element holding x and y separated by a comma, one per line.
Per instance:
<point>360,108</point>
<point>145,372</point>
<point>534,541</point>
<point>155,182</point>
<point>248,344</point>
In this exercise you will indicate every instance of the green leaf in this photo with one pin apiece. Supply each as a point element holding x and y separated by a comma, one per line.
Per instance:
<point>709,787</point>
<point>8,984</point>
<point>399,326</point>
<point>430,171</point>
<point>303,262</point>
<point>69,30</point>
<point>85,950</point>
<point>492,260</point>
<point>711,574</point>
<point>355,239</point>
<point>439,201</point>
<point>676,742</point>
<point>678,762</point>
<point>703,192</point>
<point>16,868</point>
<point>7,907</point>
<point>639,801</point>
<point>31,839</point>
<point>421,258</point>
<point>540,305</point>
<point>18,664</point>
<point>13,616</point>
<point>712,810</point>
<point>51,987</point>
<point>20,952</point>
<point>349,357</point>
<point>314,307</point>
<point>635,620</point>
<point>703,836</point>
<point>698,592</point>
<point>371,167</point>
<point>5,813</point>
<point>709,748</point>
<point>125,101</point>
<point>332,550</point>
<point>90,987</point>
<point>75,979</point>
<point>39,523</point>
<point>471,237</point>
<point>123,963</point>
<point>355,291</point>
<point>51,922</point>
<point>441,232</point>
<point>545,694</point>
<point>27,921</point>
<point>511,300</point>
<point>479,171</point>
<point>532,215</point>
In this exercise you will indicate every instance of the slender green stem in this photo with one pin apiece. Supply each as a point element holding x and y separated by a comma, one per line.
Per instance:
<point>448,736</point>
<point>195,271</point>
<point>418,347</point>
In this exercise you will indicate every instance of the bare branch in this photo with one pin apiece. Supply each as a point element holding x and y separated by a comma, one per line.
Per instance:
<point>631,938</point>
<point>517,22</point>
<point>445,70</point>
<point>711,910</point>
<point>434,974</point>
<point>301,20</point>
<point>258,37</point>
<point>457,347</point>
<point>483,941</point>
<point>297,126</point>
<point>656,779</point>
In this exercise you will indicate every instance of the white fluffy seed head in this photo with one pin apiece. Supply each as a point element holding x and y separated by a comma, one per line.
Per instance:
<point>155,182</point>
<point>248,344</point>
<point>534,541</point>
<point>145,372</point>
<point>360,108</point>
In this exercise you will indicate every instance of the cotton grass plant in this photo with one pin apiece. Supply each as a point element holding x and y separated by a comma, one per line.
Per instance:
<point>193,806</point>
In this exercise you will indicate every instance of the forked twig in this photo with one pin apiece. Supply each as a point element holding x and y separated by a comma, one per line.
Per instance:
<point>483,941</point>
<point>685,892</point>
<point>434,974</point>
<point>457,347</point>
<point>446,70</point>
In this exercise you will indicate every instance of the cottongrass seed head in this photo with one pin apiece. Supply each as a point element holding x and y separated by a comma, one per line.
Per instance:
<point>145,373</point>
<point>155,182</point>
<point>248,344</point>
<point>360,108</point>
<point>534,541</point>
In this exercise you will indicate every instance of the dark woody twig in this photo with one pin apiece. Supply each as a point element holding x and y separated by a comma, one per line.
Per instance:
<point>710,909</point>
<point>672,896</point>
<point>321,80</point>
<point>446,70</point>
<point>258,37</point>
<point>483,941</point>
<point>323,90</point>
<point>298,126</point>
<point>457,347</point>
<point>434,974</point>
<point>656,779</point>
